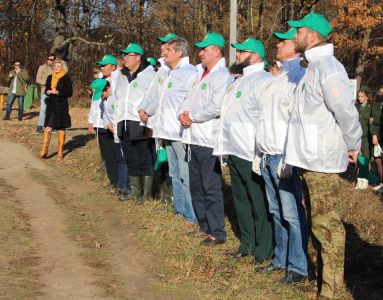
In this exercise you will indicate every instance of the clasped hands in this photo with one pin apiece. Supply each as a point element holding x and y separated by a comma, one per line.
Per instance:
<point>185,120</point>
<point>50,92</point>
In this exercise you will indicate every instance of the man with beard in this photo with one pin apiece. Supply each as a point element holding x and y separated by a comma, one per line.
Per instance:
<point>324,135</point>
<point>199,115</point>
<point>236,138</point>
<point>284,195</point>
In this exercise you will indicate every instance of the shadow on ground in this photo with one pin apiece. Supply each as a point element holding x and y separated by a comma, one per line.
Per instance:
<point>74,143</point>
<point>363,267</point>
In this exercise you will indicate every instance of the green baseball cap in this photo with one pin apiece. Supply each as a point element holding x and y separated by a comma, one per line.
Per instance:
<point>365,88</point>
<point>288,35</point>
<point>313,21</point>
<point>97,86</point>
<point>167,37</point>
<point>251,45</point>
<point>211,38</point>
<point>107,60</point>
<point>133,48</point>
<point>152,61</point>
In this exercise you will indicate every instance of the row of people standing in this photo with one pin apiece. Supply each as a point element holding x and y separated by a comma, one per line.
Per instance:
<point>302,119</point>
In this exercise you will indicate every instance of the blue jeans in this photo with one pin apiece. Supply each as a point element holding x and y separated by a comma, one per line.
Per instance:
<point>206,191</point>
<point>123,181</point>
<point>12,99</point>
<point>179,172</point>
<point>43,108</point>
<point>285,205</point>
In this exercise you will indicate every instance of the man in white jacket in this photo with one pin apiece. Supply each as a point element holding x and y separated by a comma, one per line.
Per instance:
<point>200,116</point>
<point>324,135</point>
<point>236,138</point>
<point>171,91</point>
<point>283,194</point>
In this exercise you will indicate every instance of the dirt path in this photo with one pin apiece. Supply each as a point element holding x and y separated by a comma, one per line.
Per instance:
<point>62,271</point>
<point>64,275</point>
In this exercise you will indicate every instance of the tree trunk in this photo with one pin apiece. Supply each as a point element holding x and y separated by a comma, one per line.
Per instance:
<point>59,37</point>
<point>362,59</point>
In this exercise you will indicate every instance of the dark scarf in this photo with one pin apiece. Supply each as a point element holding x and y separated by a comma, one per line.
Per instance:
<point>130,77</point>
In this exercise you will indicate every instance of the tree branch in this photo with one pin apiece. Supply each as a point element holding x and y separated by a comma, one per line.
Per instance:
<point>82,40</point>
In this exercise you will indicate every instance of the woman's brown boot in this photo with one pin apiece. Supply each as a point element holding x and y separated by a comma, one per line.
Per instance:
<point>46,141</point>
<point>61,141</point>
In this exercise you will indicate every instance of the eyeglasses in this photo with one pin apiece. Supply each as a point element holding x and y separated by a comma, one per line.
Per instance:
<point>17,65</point>
<point>50,59</point>
<point>131,54</point>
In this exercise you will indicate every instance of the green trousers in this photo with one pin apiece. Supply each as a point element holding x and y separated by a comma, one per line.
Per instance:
<point>250,205</point>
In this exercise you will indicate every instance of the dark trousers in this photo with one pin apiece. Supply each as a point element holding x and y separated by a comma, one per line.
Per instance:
<point>139,155</point>
<point>206,191</point>
<point>106,143</point>
<point>250,206</point>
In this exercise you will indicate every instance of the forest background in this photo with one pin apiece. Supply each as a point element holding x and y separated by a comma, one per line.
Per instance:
<point>82,31</point>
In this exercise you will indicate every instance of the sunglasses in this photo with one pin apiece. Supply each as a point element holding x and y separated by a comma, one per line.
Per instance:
<point>243,51</point>
<point>50,59</point>
<point>17,65</point>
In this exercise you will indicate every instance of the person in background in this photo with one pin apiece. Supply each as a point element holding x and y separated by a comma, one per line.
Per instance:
<point>41,78</point>
<point>58,88</point>
<point>377,137</point>
<point>364,108</point>
<point>19,78</point>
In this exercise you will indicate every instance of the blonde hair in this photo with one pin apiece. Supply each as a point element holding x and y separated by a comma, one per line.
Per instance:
<point>63,64</point>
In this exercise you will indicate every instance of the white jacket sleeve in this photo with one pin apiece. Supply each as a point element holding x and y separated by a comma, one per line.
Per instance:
<point>212,109</point>
<point>339,101</point>
<point>93,111</point>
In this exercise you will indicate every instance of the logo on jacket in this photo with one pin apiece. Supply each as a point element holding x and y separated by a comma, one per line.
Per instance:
<point>170,84</point>
<point>204,86</point>
<point>239,93</point>
<point>135,84</point>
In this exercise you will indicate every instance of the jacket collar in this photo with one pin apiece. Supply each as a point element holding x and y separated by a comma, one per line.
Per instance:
<point>317,52</point>
<point>253,68</point>
<point>183,62</point>
<point>292,64</point>
<point>220,64</point>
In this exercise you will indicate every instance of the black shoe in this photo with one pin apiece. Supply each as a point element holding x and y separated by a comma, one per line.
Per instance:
<point>211,241</point>
<point>39,129</point>
<point>124,195</point>
<point>6,118</point>
<point>260,260</point>
<point>237,255</point>
<point>268,268</point>
<point>292,277</point>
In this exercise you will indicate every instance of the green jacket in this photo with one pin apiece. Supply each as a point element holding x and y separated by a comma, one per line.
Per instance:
<point>375,127</point>
<point>21,81</point>
<point>365,113</point>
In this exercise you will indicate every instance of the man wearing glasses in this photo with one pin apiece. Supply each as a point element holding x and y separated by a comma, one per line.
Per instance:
<point>42,74</point>
<point>18,78</point>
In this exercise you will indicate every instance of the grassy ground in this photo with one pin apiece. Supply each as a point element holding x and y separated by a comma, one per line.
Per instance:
<point>180,264</point>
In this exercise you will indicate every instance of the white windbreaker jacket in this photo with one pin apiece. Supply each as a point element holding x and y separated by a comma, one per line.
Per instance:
<point>96,113</point>
<point>203,101</point>
<point>171,93</point>
<point>111,104</point>
<point>240,112</point>
<point>130,95</point>
<point>324,123</point>
<point>275,109</point>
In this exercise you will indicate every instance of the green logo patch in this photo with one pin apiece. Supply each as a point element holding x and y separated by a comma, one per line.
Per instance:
<point>239,93</point>
<point>170,84</point>
<point>204,86</point>
<point>135,84</point>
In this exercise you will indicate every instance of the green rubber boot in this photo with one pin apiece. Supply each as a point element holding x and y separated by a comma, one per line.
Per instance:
<point>136,183</point>
<point>148,188</point>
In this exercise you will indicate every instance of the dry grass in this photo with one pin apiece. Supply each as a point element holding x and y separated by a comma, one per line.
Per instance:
<point>182,265</point>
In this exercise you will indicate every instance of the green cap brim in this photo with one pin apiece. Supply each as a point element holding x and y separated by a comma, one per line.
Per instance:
<point>97,96</point>
<point>239,46</point>
<point>295,24</point>
<point>283,36</point>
